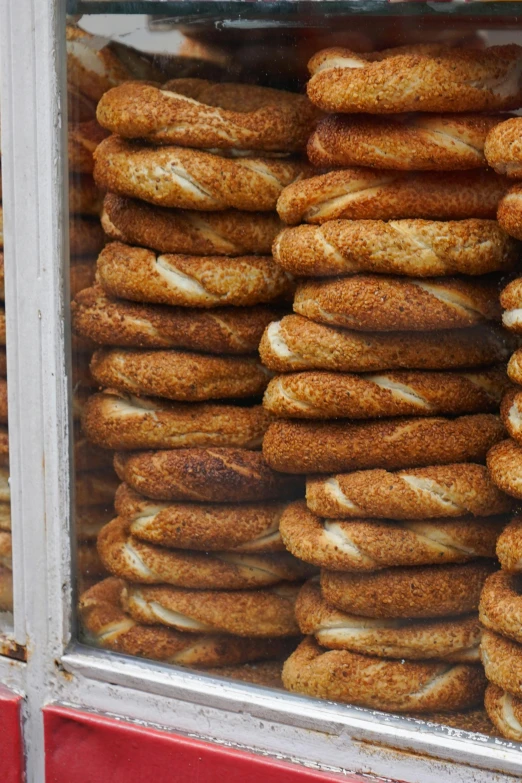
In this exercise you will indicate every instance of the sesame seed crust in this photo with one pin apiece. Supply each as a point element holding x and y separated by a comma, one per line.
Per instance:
<point>502,659</point>
<point>501,600</point>
<point>503,148</point>
<point>504,462</point>
<point>505,712</point>
<point>509,214</point>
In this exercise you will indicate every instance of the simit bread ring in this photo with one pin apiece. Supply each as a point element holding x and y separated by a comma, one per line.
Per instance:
<point>331,395</point>
<point>84,196</point>
<point>501,605</point>
<point>505,711</point>
<point>511,413</point>
<point>421,142</point>
<point>229,330</point>
<point>515,367</point>
<point>86,237</point>
<point>367,545</point>
<point>105,624</point>
<point>382,303</point>
<point>95,488</point>
<point>204,114</point>
<point>504,462</point>
<point>178,375</point>
<point>138,561</point>
<point>509,547</point>
<point>94,69</point>
<point>503,148</point>
<point>414,591</point>
<point>83,138</point>
<point>368,681</point>
<point>296,343</point>
<point>121,421</point>
<point>420,248</point>
<point>190,281</point>
<point>250,527</point>
<point>267,612</point>
<point>191,179</point>
<point>426,493</point>
<point>204,475</point>
<point>509,213</point>
<point>324,447</point>
<point>364,194</point>
<point>229,233</point>
<point>425,77</point>
<point>89,520</point>
<point>511,303</point>
<point>454,639</point>
<point>502,659</point>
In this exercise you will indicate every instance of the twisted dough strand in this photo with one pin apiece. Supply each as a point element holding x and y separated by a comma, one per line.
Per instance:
<point>420,248</point>
<point>424,493</point>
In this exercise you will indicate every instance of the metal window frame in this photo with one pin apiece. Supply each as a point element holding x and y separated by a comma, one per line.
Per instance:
<point>59,670</point>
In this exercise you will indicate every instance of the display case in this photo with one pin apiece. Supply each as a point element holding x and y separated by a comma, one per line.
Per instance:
<point>263,443</point>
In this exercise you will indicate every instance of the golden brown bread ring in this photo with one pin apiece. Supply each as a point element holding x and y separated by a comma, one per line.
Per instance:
<point>368,681</point>
<point>84,196</point>
<point>192,179</point>
<point>509,214</point>
<point>424,77</point>
<point>509,547</point>
<point>511,413</point>
<point>501,605</point>
<point>86,237</point>
<point>88,560</point>
<point>5,516</point>
<point>332,395</point>
<point>296,343</point>
<point>229,233</point>
<point>95,488</point>
<point>503,149</point>
<point>366,194</point>
<point>505,712</point>
<point>108,321</point>
<point>514,368</point>
<point>371,544</point>
<point>3,401</point>
<point>293,446</point>
<point>6,590</point>
<point>106,624</point>
<point>89,520</point>
<point>178,375</point>
<point>249,527</point>
<point>268,612</point>
<point>138,561</point>
<point>502,659</point>
<point>425,493</point>
<point>190,281</point>
<point>93,69</point>
<point>420,142</point>
<point>511,303</point>
<point>204,475</point>
<point>411,592</point>
<point>83,138</point>
<point>504,462</point>
<point>419,248</point>
<point>4,446</point>
<point>114,420</point>
<point>385,303</point>
<point>203,114</point>
<point>453,639</point>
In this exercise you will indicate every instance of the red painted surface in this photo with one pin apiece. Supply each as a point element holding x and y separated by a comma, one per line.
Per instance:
<point>87,748</point>
<point>11,748</point>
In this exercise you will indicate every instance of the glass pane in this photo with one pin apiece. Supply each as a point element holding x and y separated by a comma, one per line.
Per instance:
<point>288,358</point>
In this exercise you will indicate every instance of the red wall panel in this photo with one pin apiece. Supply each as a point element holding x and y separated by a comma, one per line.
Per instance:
<point>11,747</point>
<point>87,748</point>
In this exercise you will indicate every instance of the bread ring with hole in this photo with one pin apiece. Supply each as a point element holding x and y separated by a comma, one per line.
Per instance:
<point>138,561</point>
<point>86,237</point>
<point>509,214</point>
<point>190,281</point>
<point>205,475</point>
<point>192,179</point>
<point>379,684</point>
<point>95,488</point>
<point>224,330</point>
<point>204,114</point>
<point>296,343</point>
<point>228,233</point>
<point>504,462</point>
<point>83,138</point>
<point>114,420</point>
<point>105,624</point>
<point>386,303</point>
<point>415,248</point>
<point>293,446</point>
<point>501,605</point>
<point>268,612</point>
<point>452,639</point>
<point>505,712</point>
<point>509,548</point>
<point>503,148</point>
<point>502,659</point>
<point>249,527</point>
<point>418,142</point>
<point>333,395</point>
<point>410,592</point>
<point>511,303</point>
<point>84,197</point>
<point>456,490</point>
<point>178,375</point>
<point>371,544</point>
<point>423,77</point>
